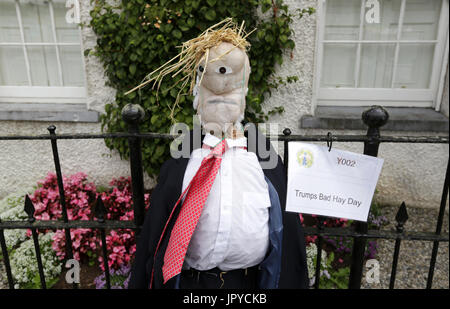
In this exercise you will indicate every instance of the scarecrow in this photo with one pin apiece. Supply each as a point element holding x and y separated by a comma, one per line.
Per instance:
<point>217,219</point>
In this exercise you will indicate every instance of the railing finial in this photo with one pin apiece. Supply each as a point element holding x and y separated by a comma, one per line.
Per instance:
<point>51,128</point>
<point>100,210</point>
<point>375,117</point>
<point>29,209</point>
<point>401,217</point>
<point>133,113</point>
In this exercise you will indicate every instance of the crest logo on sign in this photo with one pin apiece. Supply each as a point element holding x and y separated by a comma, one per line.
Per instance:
<point>305,158</point>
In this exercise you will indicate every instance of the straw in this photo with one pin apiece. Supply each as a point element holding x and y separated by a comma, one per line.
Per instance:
<point>195,51</point>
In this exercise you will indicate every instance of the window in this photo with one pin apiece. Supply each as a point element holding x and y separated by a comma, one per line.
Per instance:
<point>388,52</point>
<point>40,53</point>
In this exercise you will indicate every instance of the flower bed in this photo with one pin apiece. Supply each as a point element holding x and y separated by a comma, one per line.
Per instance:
<point>336,251</point>
<point>80,197</point>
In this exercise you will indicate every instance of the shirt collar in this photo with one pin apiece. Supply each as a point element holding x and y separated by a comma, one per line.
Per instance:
<point>212,140</point>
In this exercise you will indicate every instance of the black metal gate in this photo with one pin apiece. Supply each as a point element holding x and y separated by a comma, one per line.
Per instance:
<point>374,118</point>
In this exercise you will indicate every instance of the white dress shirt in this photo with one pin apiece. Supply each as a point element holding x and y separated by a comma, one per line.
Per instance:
<point>233,230</point>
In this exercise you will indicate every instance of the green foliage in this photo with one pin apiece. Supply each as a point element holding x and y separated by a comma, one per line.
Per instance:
<point>331,277</point>
<point>24,267</point>
<point>137,36</point>
<point>338,279</point>
<point>11,209</point>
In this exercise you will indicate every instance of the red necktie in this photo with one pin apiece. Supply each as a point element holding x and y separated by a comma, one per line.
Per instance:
<point>197,193</point>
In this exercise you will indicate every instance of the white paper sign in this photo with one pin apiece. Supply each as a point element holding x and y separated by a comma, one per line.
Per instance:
<point>332,183</point>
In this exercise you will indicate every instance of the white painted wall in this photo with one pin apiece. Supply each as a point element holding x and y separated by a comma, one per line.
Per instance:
<point>98,93</point>
<point>411,173</point>
<point>23,163</point>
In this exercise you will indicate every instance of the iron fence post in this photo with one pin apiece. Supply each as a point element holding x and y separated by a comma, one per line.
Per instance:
<point>439,223</point>
<point>374,118</point>
<point>4,251</point>
<point>100,213</point>
<point>286,132</point>
<point>401,217</point>
<point>133,114</point>
<point>29,210</point>
<point>62,198</point>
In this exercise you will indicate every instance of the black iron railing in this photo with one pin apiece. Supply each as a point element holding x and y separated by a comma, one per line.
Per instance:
<point>374,118</point>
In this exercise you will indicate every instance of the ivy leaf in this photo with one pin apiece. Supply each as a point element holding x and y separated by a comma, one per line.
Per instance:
<point>121,74</point>
<point>280,22</point>
<point>177,34</point>
<point>159,150</point>
<point>269,38</point>
<point>132,68</point>
<point>173,92</point>
<point>266,5</point>
<point>183,28</point>
<point>211,2</point>
<point>166,48</point>
<point>154,119</point>
<point>210,15</point>
<point>191,22</point>
<point>132,20</point>
<point>132,95</point>
<point>290,44</point>
<point>260,34</point>
<point>168,28</point>
<point>278,59</point>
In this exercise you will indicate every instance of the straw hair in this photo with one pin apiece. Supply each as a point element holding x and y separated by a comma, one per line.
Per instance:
<point>193,52</point>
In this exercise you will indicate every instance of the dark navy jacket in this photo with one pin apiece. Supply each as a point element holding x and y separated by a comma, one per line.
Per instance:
<point>285,263</point>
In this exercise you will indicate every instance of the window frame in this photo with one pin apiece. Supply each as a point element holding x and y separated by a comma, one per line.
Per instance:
<point>394,97</point>
<point>45,94</point>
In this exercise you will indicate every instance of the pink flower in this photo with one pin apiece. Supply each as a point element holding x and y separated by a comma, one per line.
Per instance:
<point>80,197</point>
<point>52,195</point>
<point>76,244</point>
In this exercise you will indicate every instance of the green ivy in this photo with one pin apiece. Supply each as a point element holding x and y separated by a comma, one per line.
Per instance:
<point>137,36</point>
<point>338,279</point>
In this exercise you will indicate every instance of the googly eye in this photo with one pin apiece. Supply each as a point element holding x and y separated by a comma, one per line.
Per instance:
<point>224,70</point>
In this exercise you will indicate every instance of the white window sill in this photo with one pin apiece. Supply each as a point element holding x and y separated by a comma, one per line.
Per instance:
<point>47,112</point>
<point>400,119</point>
